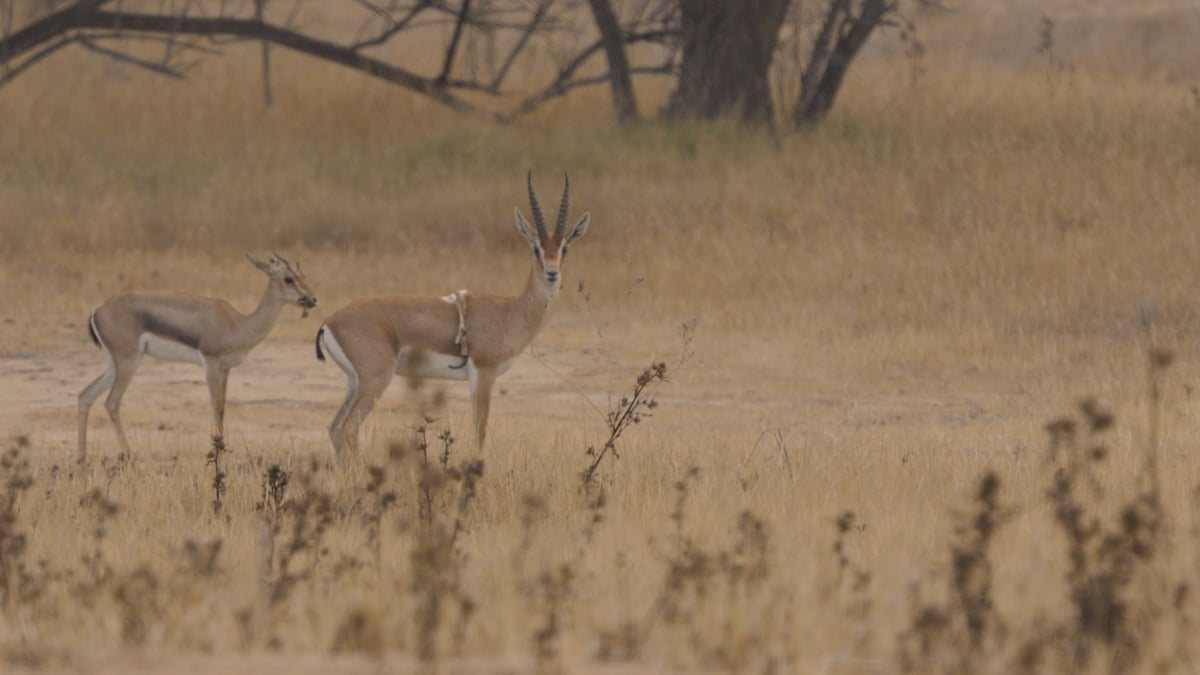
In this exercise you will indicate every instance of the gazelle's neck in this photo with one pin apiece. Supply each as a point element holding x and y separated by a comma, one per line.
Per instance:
<point>258,323</point>
<point>533,304</point>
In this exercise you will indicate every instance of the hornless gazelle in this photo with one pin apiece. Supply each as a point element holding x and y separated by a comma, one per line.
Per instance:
<point>463,336</point>
<point>179,327</point>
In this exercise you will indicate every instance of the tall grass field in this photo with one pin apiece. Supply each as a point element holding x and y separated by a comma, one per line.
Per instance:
<point>912,392</point>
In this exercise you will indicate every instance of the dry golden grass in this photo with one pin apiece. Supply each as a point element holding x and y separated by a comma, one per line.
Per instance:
<point>907,295</point>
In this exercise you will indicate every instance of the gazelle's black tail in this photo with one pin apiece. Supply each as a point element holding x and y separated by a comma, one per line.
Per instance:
<point>320,354</point>
<point>92,328</point>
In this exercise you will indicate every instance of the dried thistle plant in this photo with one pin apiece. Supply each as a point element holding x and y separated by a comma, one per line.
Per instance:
<point>98,569</point>
<point>697,584</point>
<point>437,564</point>
<point>636,405</point>
<point>218,482</point>
<point>628,411</point>
<point>962,632</point>
<point>293,543</point>
<point>16,478</point>
<point>852,578</point>
<point>274,491</point>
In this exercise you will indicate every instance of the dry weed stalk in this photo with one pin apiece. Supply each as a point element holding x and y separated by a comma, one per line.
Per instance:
<point>17,478</point>
<point>629,410</point>
<point>960,634</point>
<point>437,564</point>
<point>431,479</point>
<point>853,579</point>
<point>696,585</point>
<point>218,483</point>
<point>549,591</point>
<point>139,605</point>
<point>291,529</point>
<point>98,569</point>
<point>1106,560</point>
<point>1115,586</point>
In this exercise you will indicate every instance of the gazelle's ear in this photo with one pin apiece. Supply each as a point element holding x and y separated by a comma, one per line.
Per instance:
<point>580,228</point>
<point>524,229</point>
<point>256,262</point>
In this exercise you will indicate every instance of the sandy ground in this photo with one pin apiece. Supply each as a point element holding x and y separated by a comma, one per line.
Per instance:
<point>281,393</point>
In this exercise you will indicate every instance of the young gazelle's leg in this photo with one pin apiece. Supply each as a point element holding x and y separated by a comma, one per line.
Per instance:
<point>88,397</point>
<point>124,370</point>
<point>217,377</point>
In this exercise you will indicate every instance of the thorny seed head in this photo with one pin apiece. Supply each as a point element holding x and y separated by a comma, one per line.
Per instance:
<point>1061,430</point>
<point>1098,413</point>
<point>397,452</point>
<point>989,488</point>
<point>1161,358</point>
<point>277,479</point>
<point>533,503</point>
<point>376,477</point>
<point>845,521</point>
<point>657,371</point>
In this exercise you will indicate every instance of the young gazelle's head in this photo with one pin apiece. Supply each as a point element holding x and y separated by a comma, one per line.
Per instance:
<point>287,279</point>
<point>549,248</point>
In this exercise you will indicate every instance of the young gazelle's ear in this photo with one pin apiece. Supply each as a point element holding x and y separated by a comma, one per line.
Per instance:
<point>580,228</point>
<point>256,262</point>
<point>524,229</point>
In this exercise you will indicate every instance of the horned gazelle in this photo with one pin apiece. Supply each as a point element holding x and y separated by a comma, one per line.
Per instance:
<point>463,336</point>
<point>179,327</point>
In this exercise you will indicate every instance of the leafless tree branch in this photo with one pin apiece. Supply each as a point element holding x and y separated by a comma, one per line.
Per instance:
<point>160,68</point>
<point>181,27</point>
<point>530,28</point>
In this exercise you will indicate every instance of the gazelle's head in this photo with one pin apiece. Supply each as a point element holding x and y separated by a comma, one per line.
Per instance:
<point>549,248</point>
<point>288,280</point>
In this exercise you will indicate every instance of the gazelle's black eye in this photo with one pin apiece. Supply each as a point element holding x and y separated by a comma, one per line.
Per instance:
<point>537,251</point>
<point>289,280</point>
<point>564,253</point>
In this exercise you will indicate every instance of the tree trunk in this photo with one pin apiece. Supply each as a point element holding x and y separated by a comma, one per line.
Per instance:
<point>624,104</point>
<point>827,67</point>
<point>727,50</point>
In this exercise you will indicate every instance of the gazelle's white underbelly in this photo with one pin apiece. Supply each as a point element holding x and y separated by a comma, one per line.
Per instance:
<point>169,350</point>
<point>422,365</point>
<point>426,365</point>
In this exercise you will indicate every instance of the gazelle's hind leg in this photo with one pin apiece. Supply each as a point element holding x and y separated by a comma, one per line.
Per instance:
<point>343,430</point>
<point>123,373</point>
<point>88,397</point>
<point>337,426</point>
<point>369,387</point>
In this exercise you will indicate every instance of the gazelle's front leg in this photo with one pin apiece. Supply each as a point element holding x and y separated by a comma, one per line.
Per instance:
<point>481,380</point>
<point>218,377</point>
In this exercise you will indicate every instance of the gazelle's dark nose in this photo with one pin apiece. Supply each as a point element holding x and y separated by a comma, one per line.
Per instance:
<point>551,276</point>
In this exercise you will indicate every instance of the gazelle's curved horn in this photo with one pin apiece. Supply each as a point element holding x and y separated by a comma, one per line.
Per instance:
<point>561,223</point>
<point>280,258</point>
<point>538,221</point>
